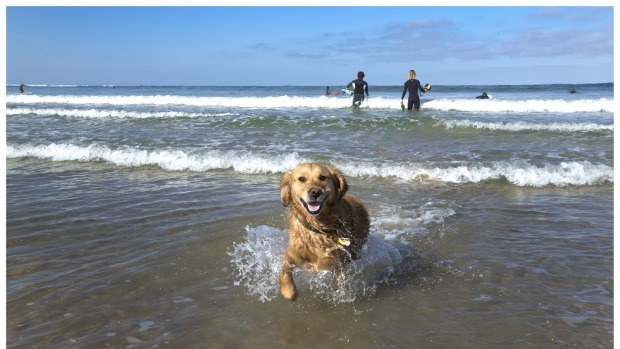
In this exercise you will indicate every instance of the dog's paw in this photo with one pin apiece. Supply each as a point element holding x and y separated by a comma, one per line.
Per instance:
<point>289,291</point>
<point>287,286</point>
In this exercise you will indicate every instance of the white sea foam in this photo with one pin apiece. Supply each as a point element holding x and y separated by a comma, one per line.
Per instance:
<point>520,173</point>
<point>527,126</point>
<point>103,113</point>
<point>517,172</point>
<point>467,105</point>
<point>517,126</point>
<point>171,160</point>
<point>522,106</point>
<point>393,224</point>
<point>237,102</point>
<point>44,85</point>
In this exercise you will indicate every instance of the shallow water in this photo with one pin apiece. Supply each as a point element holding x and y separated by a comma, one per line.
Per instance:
<point>109,258</point>
<point>167,231</point>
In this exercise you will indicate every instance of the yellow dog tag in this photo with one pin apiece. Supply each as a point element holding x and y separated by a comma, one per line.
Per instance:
<point>344,241</point>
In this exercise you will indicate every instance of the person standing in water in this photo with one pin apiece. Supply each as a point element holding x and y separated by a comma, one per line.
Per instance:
<point>21,88</point>
<point>412,85</point>
<point>358,91</point>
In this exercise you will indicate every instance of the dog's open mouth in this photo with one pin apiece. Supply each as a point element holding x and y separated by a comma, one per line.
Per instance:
<point>312,207</point>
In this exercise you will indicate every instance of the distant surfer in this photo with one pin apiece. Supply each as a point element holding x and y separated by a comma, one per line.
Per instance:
<point>327,91</point>
<point>572,91</point>
<point>360,86</point>
<point>412,85</point>
<point>484,95</point>
<point>21,88</point>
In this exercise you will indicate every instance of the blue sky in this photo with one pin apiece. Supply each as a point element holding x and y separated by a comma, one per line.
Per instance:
<point>243,45</point>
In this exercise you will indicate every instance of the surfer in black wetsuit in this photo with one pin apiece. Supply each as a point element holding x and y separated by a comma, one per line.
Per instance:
<point>360,87</point>
<point>484,95</point>
<point>21,88</point>
<point>327,91</point>
<point>412,85</point>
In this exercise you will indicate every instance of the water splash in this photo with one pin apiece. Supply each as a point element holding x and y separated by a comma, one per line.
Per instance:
<point>258,263</point>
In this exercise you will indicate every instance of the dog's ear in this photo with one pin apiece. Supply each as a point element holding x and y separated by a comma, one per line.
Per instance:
<point>339,182</point>
<point>285,188</point>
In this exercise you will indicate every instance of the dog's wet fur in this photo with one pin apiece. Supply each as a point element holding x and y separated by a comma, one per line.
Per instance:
<point>327,226</point>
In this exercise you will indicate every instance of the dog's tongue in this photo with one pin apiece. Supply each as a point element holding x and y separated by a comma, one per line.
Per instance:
<point>314,206</point>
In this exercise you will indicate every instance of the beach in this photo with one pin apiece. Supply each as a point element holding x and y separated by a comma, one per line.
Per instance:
<point>150,217</point>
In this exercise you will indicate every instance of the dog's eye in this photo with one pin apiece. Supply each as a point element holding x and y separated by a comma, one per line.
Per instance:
<point>302,179</point>
<point>322,178</point>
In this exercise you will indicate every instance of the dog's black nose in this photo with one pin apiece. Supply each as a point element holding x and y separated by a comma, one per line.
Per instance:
<point>315,192</point>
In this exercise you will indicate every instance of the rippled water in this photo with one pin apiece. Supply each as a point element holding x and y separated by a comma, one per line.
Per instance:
<point>134,224</point>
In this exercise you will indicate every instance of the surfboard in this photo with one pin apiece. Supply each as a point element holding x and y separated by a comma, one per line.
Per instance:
<point>346,92</point>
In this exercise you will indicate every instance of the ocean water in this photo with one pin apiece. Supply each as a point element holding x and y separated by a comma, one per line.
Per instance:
<point>149,217</point>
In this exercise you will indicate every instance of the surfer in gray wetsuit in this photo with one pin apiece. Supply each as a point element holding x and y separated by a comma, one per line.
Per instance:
<point>360,87</point>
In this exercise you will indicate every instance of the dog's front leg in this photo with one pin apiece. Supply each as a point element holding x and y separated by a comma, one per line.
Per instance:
<point>287,285</point>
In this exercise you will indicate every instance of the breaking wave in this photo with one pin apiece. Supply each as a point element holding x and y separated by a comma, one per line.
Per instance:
<point>464,105</point>
<point>520,126</point>
<point>516,172</point>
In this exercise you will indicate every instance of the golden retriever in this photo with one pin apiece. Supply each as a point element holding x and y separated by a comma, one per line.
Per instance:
<point>327,226</point>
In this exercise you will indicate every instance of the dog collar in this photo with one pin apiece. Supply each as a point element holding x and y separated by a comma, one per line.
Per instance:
<point>341,240</point>
<point>321,231</point>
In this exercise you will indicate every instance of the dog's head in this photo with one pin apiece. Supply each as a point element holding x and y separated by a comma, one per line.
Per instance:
<point>312,188</point>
